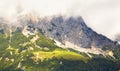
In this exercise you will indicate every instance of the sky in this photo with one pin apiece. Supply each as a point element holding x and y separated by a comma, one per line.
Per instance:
<point>103,16</point>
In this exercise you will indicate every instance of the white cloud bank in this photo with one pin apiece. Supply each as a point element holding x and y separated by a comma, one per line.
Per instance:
<point>102,15</point>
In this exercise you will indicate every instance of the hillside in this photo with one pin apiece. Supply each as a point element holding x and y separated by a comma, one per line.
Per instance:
<point>39,53</point>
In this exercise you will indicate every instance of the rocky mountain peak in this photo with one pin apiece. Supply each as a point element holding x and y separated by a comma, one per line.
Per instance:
<point>74,30</point>
<point>66,30</point>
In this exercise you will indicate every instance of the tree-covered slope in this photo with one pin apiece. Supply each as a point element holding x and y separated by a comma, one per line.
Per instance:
<point>39,53</point>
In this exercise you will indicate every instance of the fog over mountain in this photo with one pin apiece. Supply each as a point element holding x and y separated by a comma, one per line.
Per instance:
<point>59,35</point>
<point>103,15</point>
<point>68,30</point>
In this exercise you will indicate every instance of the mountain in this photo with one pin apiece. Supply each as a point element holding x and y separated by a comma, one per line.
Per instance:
<point>64,30</point>
<point>55,44</point>
<point>73,30</point>
<point>39,53</point>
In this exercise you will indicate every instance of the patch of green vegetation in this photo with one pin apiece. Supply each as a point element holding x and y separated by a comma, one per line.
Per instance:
<point>115,50</point>
<point>59,54</point>
<point>17,39</point>
<point>45,42</point>
<point>3,42</point>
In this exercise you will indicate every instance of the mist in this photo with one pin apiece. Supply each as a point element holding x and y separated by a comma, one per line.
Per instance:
<point>117,38</point>
<point>101,15</point>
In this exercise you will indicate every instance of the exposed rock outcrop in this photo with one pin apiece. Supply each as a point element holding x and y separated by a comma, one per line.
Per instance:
<point>72,29</point>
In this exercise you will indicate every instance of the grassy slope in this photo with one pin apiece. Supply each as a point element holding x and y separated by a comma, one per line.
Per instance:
<point>60,54</point>
<point>46,57</point>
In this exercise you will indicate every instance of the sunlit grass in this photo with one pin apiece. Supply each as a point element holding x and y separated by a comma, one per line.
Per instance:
<point>41,55</point>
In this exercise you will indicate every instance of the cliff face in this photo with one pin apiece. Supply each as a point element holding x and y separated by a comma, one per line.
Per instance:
<point>70,29</point>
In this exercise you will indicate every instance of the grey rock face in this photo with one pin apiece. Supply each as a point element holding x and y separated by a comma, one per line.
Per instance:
<point>72,29</point>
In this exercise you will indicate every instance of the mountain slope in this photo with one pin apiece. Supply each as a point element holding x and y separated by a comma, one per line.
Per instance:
<point>64,29</point>
<point>74,30</point>
<point>21,53</point>
<point>33,46</point>
<point>71,32</point>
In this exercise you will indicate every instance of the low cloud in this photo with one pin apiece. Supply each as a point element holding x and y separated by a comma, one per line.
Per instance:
<point>102,16</point>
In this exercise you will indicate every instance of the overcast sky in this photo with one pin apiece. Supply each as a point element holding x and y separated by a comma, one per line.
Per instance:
<point>101,15</point>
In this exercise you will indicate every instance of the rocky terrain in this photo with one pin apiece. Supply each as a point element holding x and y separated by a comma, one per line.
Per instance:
<point>56,43</point>
<point>69,31</point>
